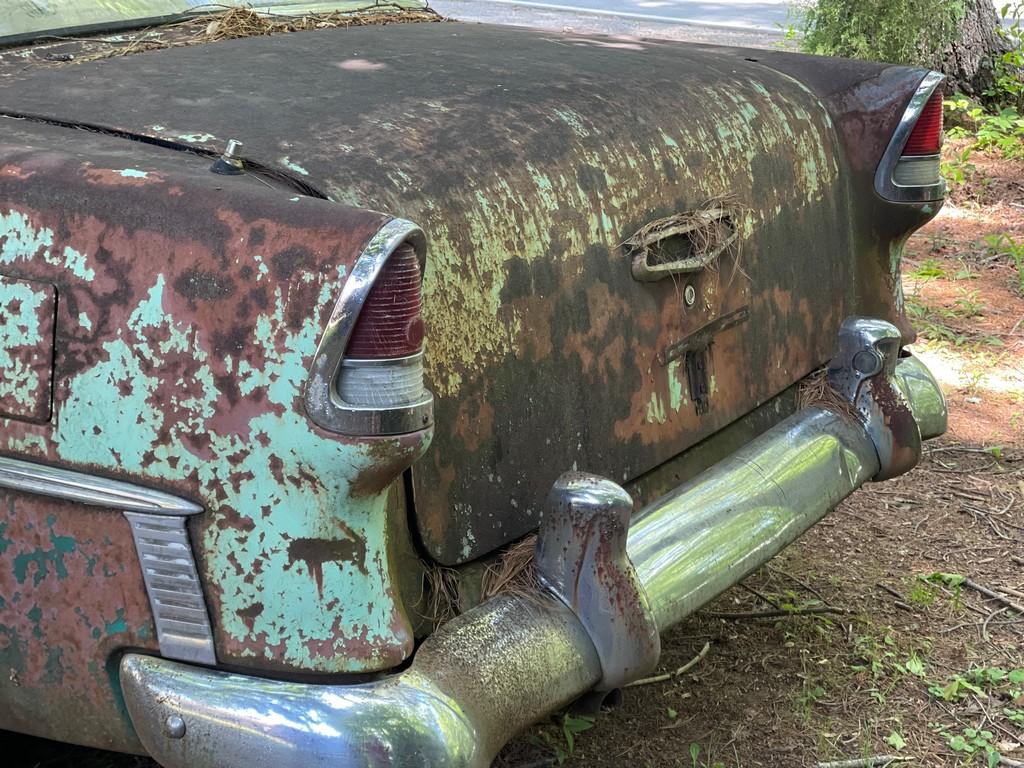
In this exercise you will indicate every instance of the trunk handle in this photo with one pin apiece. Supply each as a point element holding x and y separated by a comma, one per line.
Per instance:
<point>702,228</point>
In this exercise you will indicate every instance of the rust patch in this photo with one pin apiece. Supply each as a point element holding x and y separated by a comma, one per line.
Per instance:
<point>315,553</point>
<point>71,597</point>
<point>249,615</point>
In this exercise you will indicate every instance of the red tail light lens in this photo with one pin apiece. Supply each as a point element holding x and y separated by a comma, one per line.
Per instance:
<point>390,324</point>
<point>926,138</point>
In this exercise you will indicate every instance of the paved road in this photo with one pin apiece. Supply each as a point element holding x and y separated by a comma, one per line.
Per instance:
<point>728,22</point>
<point>725,22</point>
<point>767,16</point>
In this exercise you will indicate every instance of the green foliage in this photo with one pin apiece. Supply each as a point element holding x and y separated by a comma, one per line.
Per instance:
<point>914,666</point>
<point>1004,245</point>
<point>930,269</point>
<point>957,168</point>
<point>921,593</point>
<point>697,763</point>
<point>955,689</point>
<point>1008,88</point>
<point>896,741</point>
<point>990,683</point>
<point>972,741</point>
<point>563,745</point>
<point>1000,131</point>
<point>944,324</point>
<point>997,124</point>
<point>897,31</point>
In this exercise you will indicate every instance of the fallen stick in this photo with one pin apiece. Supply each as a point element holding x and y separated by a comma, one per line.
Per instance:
<point>984,625</point>
<point>899,603</point>
<point>1017,560</point>
<point>800,582</point>
<point>868,762</point>
<point>994,595</point>
<point>1011,763</point>
<point>669,675</point>
<point>772,614</point>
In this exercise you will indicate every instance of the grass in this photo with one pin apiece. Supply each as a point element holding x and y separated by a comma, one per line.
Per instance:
<point>1004,245</point>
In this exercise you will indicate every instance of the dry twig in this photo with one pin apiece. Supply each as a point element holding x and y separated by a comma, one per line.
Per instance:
<point>800,582</point>
<point>669,675</point>
<point>741,616</point>
<point>899,602</point>
<point>238,22</point>
<point>880,760</point>
<point>994,595</point>
<point>868,762</point>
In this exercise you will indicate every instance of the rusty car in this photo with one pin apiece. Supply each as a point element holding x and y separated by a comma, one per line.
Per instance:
<point>372,391</point>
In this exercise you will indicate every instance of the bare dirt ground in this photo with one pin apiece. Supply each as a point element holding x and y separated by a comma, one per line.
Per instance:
<point>886,646</point>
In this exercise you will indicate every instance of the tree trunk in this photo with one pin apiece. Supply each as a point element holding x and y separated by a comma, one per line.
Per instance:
<point>968,62</point>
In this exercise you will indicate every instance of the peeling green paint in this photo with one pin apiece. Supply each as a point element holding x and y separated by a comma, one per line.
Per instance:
<point>35,614</point>
<point>656,410</point>
<point>117,626</point>
<point>520,211</point>
<point>115,417</point>
<point>196,138</point>
<point>574,121</point>
<point>19,239</point>
<point>675,384</point>
<point>54,667</point>
<point>43,559</point>
<point>287,163</point>
<point>20,329</point>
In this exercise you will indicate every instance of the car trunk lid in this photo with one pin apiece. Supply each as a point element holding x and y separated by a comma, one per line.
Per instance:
<point>555,176</point>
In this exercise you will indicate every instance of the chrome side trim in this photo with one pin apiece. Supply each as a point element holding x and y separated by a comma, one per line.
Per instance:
<point>884,183</point>
<point>323,403</point>
<point>59,483</point>
<point>172,585</point>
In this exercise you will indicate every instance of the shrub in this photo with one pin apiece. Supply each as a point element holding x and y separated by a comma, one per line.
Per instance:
<point>898,31</point>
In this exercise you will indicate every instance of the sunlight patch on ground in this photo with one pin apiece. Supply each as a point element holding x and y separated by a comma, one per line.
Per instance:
<point>957,371</point>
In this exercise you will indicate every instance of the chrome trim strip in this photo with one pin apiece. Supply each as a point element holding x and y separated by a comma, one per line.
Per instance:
<point>323,404</point>
<point>172,585</point>
<point>59,483</point>
<point>884,183</point>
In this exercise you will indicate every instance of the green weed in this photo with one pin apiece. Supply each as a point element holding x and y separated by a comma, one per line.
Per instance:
<point>1004,245</point>
<point>930,269</point>
<point>992,683</point>
<point>563,744</point>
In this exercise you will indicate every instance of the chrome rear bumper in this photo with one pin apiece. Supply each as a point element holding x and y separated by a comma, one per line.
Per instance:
<point>498,668</point>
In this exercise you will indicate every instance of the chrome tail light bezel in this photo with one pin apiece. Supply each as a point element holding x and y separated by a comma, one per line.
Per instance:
<point>324,402</point>
<point>885,176</point>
